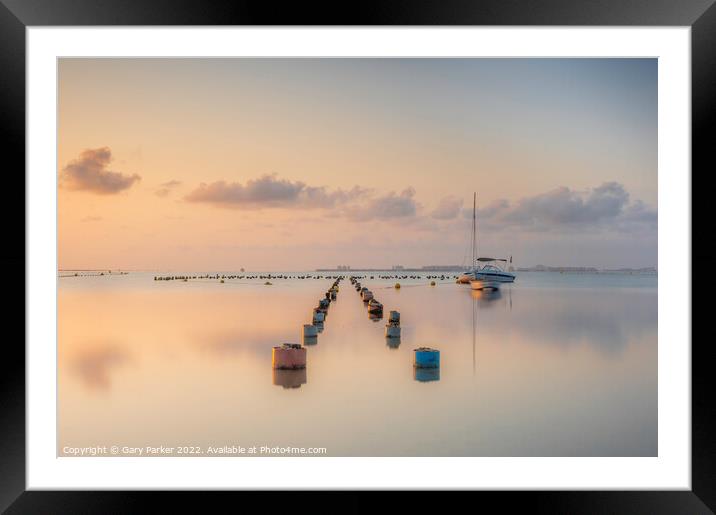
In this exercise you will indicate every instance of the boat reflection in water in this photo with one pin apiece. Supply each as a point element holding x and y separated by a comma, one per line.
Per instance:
<point>483,298</point>
<point>426,374</point>
<point>486,295</point>
<point>485,285</point>
<point>289,378</point>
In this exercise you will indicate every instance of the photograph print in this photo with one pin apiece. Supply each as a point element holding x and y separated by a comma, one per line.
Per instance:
<point>386,257</point>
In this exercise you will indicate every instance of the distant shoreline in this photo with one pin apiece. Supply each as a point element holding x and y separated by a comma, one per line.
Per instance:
<point>575,269</point>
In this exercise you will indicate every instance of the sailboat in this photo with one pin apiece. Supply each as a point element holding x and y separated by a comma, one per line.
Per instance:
<point>489,275</point>
<point>468,276</point>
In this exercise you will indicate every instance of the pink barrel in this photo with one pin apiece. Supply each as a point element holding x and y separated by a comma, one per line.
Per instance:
<point>289,356</point>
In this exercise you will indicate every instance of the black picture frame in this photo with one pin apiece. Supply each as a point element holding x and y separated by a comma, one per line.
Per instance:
<point>16,15</point>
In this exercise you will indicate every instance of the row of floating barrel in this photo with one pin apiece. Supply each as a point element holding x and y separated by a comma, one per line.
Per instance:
<point>441,277</point>
<point>310,331</point>
<point>426,361</point>
<point>224,276</point>
<point>375,312</point>
<point>375,308</point>
<point>289,359</point>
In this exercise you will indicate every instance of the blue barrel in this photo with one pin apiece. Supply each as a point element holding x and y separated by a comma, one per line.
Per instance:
<point>425,357</point>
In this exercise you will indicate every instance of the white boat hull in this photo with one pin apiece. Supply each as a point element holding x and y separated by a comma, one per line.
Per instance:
<point>502,277</point>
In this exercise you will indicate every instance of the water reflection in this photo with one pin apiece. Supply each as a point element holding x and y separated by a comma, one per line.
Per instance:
<point>605,320</point>
<point>566,371</point>
<point>392,343</point>
<point>486,296</point>
<point>226,344</point>
<point>289,379</point>
<point>426,374</point>
<point>94,365</point>
<point>482,299</point>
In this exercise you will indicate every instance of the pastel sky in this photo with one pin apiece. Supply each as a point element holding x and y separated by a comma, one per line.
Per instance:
<point>290,164</point>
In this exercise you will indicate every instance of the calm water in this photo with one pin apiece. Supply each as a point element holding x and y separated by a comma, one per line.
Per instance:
<point>554,365</point>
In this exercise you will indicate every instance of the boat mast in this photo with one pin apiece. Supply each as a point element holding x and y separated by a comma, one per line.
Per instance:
<point>474,230</point>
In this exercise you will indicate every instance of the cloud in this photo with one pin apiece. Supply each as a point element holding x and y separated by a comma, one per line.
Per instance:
<point>166,188</point>
<point>640,212</point>
<point>491,210</point>
<point>320,197</point>
<point>91,219</point>
<point>387,207</point>
<point>565,206</point>
<point>269,191</point>
<point>89,173</point>
<point>448,208</point>
<point>605,205</point>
